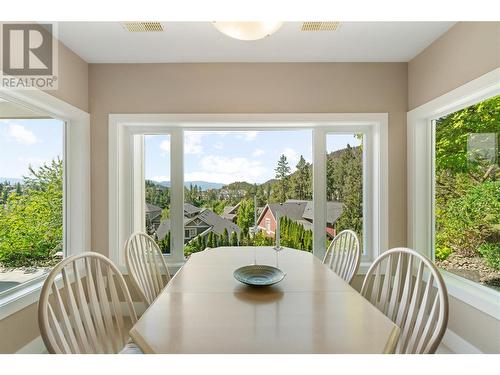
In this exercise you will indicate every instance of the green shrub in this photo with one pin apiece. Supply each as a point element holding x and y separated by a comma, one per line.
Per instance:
<point>31,229</point>
<point>443,252</point>
<point>491,254</point>
<point>467,221</point>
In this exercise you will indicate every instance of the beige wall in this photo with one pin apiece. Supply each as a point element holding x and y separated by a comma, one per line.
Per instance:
<point>248,88</point>
<point>73,75</point>
<point>465,52</point>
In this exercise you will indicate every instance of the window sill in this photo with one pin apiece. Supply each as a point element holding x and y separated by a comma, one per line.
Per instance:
<point>20,297</point>
<point>480,297</point>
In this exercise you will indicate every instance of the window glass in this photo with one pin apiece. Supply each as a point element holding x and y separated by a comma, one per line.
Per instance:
<point>31,199</point>
<point>467,193</point>
<point>157,189</point>
<point>237,181</point>
<point>344,184</point>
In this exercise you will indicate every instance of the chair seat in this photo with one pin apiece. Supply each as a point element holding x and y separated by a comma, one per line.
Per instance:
<point>131,348</point>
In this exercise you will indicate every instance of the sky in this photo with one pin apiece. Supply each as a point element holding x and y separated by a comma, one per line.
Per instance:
<point>222,156</point>
<point>28,142</point>
<point>228,156</point>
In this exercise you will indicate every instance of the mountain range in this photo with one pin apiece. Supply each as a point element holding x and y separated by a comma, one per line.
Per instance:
<point>205,185</point>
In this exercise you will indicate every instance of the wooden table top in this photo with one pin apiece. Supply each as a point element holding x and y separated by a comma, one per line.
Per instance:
<point>205,310</point>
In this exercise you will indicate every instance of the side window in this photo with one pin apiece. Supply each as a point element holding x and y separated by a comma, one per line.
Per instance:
<point>31,199</point>
<point>467,193</point>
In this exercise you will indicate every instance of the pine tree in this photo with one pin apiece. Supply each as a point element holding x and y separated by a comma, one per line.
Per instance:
<point>225,238</point>
<point>210,240</point>
<point>302,186</point>
<point>234,239</point>
<point>283,176</point>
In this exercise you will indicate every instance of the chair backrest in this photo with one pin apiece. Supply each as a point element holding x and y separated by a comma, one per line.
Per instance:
<point>146,266</point>
<point>400,284</point>
<point>344,254</point>
<point>82,311</point>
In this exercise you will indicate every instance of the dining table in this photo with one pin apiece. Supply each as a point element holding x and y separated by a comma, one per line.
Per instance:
<point>204,309</point>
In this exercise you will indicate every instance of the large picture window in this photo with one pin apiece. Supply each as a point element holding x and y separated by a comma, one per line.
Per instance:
<point>467,192</point>
<point>204,181</point>
<point>31,199</point>
<point>237,184</point>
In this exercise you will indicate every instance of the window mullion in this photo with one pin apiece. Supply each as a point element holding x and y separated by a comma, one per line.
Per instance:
<point>319,192</point>
<point>177,195</point>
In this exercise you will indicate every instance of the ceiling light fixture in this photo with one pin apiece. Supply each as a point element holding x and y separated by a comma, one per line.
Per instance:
<point>247,30</point>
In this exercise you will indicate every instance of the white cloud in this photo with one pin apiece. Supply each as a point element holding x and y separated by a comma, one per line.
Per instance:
<point>192,142</point>
<point>258,152</point>
<point>21,134</point>
<point>226,170</point>
<point>165,147</point>
<point>248,135</point>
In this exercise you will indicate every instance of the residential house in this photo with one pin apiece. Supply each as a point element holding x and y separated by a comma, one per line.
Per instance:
<point>199,222</point>
<point>231,213</point>
<point>153,217</point>
<point>299,211</point>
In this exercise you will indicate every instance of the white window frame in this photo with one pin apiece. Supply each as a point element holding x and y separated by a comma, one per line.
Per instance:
<point>421,182</point>
<point>76,205</point>
<point>122,186</point>
<point>268,225</point>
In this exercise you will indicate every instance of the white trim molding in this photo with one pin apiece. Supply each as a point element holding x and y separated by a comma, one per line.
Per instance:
<point>421,182</point>
<point>35,346</point>
<point>76,162</point>
<point>121,186</point>
<point>458,345</point>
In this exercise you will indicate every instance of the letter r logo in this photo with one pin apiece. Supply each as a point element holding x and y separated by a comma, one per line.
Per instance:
<point>27,49</point>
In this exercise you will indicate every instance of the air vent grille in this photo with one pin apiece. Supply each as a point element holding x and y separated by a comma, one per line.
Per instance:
<point>320,26</point>
<point>143,27</point>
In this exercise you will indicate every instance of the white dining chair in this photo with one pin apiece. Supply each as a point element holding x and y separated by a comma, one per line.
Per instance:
<point>343,255</point>
<point>146,266</point>
<point>85,307</point>
<point>410,291</point>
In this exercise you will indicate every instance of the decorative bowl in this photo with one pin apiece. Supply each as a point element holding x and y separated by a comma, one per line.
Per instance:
<point>258,275</point>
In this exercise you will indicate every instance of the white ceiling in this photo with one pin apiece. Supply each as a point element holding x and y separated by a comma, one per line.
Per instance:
<point>109,42</point>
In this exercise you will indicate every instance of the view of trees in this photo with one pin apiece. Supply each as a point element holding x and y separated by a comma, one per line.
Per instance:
<point>344,178</point>
<point>467,193</point>
<point>31,218</point>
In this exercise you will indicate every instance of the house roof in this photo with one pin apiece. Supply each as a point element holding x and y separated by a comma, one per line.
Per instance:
<point>218,223</point>
<point>333,211</point>
<point>163,229</point>
<point>303,211</point>
<point>191,209</point>
<point>291,209</point>
<point>228,210</point>
<point>153,211</point>
<point>150,208</point>
<point>215,223</point>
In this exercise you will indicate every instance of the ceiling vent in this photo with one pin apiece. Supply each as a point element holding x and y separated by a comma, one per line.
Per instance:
<point>143,27</point>
<point>320,26</point>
